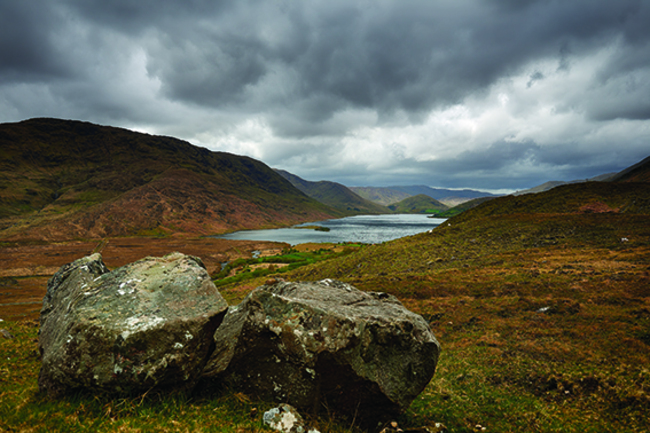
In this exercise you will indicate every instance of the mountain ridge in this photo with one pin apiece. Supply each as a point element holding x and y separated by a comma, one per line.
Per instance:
<point>67,178</point>
<point>393,194</point>
<point>335,195</point>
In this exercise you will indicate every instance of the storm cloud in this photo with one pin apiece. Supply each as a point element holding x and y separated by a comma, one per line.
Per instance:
<point>491,94</point>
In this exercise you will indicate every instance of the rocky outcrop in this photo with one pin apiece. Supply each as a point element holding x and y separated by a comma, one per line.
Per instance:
<point>325,343</point>
<point>145,325</point>
<point>161,323</point>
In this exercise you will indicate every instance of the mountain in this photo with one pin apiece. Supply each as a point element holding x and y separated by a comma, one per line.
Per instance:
<point>393,194</point>
<point>382,196</point>
<point>463,207</point>
<point>420,203</point>
<point>576,198</point>
<point>335,195</point>
<point>521,288</point>
<point>639,172</point>
<point>62,179</point>
<point>553,183</point>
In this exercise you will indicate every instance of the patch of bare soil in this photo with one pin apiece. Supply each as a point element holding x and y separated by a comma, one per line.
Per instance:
<point>26,268</point>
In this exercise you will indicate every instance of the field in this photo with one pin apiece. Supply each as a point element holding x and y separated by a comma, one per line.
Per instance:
<point>544,323</point>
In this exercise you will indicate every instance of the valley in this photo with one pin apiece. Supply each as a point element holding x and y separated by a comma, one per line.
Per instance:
<point>541,302</point>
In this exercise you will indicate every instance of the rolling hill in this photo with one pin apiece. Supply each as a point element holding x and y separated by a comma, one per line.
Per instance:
<point>62,179</point>
<point>335,195</point>
<point>639,172</point>
<point>539,301</point>
<point>420,203</point>
<point>579,198</point>
<point>553,183</point>
<point>463,207</point>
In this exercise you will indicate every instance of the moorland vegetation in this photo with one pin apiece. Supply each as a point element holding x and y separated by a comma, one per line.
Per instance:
<point>541,304</point>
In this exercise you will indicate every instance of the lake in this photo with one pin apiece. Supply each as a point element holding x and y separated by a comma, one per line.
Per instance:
<point>367,229</point>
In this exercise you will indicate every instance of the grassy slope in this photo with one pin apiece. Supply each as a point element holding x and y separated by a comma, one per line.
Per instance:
<point>22,408</point>
<point>631,198</point>
<point>70,179</point>
<point>419,204</point>
<point>639,172</point>
<point>543,317</point>
<point>463,207</point>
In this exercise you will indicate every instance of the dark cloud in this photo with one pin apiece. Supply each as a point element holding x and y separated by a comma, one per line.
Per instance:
<point>28,50</point>
<point>314,75</point>
<point>390,56</point>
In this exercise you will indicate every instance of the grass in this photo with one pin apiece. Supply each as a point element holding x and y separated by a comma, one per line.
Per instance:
<point>23,408</point>
<point>543,319</point>
<point>254,269</point>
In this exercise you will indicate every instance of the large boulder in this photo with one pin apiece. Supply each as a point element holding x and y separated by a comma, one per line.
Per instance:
<point>325,344</point>
<point>145,325</point>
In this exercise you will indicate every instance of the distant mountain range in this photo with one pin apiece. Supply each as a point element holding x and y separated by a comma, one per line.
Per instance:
<point>335,195</point>
<point>64,179</point>
<point>393,194</point>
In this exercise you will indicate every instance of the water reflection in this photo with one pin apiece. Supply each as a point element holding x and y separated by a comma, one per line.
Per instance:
<point>369,229</point>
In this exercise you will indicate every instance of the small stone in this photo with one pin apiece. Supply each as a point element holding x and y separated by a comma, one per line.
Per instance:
<point>6,334</point>
<point>286,419</point>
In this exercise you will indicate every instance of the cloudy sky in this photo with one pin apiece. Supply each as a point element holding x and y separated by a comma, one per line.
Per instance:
<point>485,94</point>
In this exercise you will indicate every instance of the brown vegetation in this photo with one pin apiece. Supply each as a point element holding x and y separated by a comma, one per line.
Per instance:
<point>62,180</point>
<point>25,268</point>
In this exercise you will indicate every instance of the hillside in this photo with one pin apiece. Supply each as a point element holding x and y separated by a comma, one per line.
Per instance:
<point>580,198</point>
<point>62,179</point>
<point>541,304</point>
<point>420,203</point>
<point>639,172</point>
<point>335,195</point>
<point>463,207</point>
<point>553,183</point>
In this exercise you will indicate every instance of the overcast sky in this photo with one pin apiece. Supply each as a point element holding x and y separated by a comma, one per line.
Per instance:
<point>484,94</point>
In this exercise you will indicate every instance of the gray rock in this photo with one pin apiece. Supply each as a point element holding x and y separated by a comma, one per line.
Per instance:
<point>325,344</point>
<point>145,325</point>
<point>286,419</point>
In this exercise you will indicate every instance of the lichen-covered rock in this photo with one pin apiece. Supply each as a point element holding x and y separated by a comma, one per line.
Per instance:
<point>145,325</point>
<point>325,343</point>
<point>286,419</point>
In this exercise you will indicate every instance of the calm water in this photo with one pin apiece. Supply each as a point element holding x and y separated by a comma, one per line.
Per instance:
<point>369,229</point>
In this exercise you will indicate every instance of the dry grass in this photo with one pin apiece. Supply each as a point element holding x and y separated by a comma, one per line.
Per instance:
<point>544,324</point>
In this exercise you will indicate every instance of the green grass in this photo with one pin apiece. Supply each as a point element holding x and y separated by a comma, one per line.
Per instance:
<point>543,320</point>
<point>288,261</point>
<point>23,408</point>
